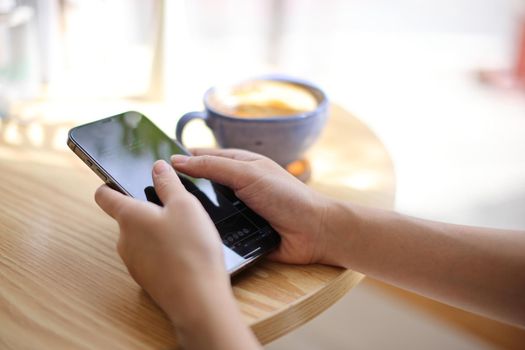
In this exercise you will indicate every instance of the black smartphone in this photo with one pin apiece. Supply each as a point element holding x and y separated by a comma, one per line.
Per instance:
<point>121,150</point>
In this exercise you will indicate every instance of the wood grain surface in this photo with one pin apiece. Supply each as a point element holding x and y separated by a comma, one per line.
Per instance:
<point>63,286</point>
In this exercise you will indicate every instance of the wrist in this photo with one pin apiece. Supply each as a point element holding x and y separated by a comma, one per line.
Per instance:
<point>341,225</point>
<point>212,320</point>
<point>196,295</point>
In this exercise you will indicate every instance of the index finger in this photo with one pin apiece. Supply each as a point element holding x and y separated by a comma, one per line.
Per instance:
<point>111,201</point>
<point>226,171</point>
<point>233,153</point>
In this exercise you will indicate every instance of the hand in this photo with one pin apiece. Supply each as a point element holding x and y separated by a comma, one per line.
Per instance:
<point>294,210</point>
<point>174,252</point>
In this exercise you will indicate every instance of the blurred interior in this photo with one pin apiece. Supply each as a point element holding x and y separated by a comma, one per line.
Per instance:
<point>411,70</point>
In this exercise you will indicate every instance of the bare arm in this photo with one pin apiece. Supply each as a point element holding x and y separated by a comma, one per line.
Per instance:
<point>481,270</point>
<point>477,269</point>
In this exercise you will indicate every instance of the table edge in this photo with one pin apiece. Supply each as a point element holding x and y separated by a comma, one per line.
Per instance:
<point>306,308</point>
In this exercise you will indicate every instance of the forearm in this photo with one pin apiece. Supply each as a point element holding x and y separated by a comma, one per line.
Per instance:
<point>477,269</point>
<point>212,320</point>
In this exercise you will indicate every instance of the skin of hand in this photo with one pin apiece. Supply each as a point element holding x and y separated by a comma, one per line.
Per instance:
<point>293,209</point>
<point>175,253</point>
<point>478,269</point>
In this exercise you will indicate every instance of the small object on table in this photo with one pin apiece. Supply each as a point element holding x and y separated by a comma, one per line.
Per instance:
<point>300,169</point>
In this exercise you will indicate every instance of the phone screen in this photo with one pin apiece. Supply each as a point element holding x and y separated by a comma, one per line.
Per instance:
<point>125,146</point>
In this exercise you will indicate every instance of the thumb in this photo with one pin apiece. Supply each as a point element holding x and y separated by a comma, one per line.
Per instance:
<point>166,181</point>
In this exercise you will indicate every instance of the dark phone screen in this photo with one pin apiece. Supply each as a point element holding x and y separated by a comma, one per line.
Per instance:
<point>127,145</point>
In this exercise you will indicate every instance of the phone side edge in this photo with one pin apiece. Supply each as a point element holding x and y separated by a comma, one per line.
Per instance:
<point>95,167</point>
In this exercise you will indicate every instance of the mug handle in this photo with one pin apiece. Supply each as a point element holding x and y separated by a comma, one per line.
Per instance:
<point>185,119</point>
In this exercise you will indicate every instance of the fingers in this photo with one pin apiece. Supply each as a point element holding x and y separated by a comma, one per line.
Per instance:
<point>111,201</point>
<point>222,170</point>
<point>166,182</point>
<point>232,153</point>
<point>167,186</point>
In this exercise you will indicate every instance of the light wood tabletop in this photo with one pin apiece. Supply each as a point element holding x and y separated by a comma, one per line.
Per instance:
<point>64,286</point>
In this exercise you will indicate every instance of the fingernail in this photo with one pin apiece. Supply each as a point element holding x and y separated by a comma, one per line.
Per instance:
<point>160,167</point>
<point>179,158</point>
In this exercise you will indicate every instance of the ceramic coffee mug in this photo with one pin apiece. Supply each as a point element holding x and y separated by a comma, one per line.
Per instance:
<point>279,117</point>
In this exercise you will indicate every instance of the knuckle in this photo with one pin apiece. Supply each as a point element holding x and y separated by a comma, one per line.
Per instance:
<point>267,162</point>
<point>124,214</point>
<point>124,225</point>
<point>186,204</point>
<point>120,213</point>
<point>98,194</point>
<point>188,201</point>
<point>253,169</point>
<point>204,161</point>
<point>161,184</point>
<point>120,248</point>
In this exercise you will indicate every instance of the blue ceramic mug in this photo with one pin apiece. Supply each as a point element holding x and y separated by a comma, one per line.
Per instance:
<point>283,138</point>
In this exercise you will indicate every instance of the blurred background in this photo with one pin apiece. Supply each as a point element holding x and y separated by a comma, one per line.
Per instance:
<point>410,69</point>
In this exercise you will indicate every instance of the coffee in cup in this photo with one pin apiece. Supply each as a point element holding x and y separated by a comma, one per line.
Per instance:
<point>279,117</point>
<point>262,99</point>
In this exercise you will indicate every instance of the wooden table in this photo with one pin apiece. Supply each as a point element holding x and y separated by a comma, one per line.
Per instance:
<point>62,284</point>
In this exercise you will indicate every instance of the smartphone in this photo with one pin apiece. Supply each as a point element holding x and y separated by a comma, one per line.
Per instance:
<point>121,150</point>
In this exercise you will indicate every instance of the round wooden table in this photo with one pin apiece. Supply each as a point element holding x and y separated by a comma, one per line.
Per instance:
<point>64,286</point>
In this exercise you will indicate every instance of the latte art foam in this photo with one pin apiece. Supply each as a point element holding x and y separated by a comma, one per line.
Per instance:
<point>263,99</point>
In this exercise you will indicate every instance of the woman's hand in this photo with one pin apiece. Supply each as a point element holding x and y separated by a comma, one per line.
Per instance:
<point>173,251</point>
<point>294,210</point>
